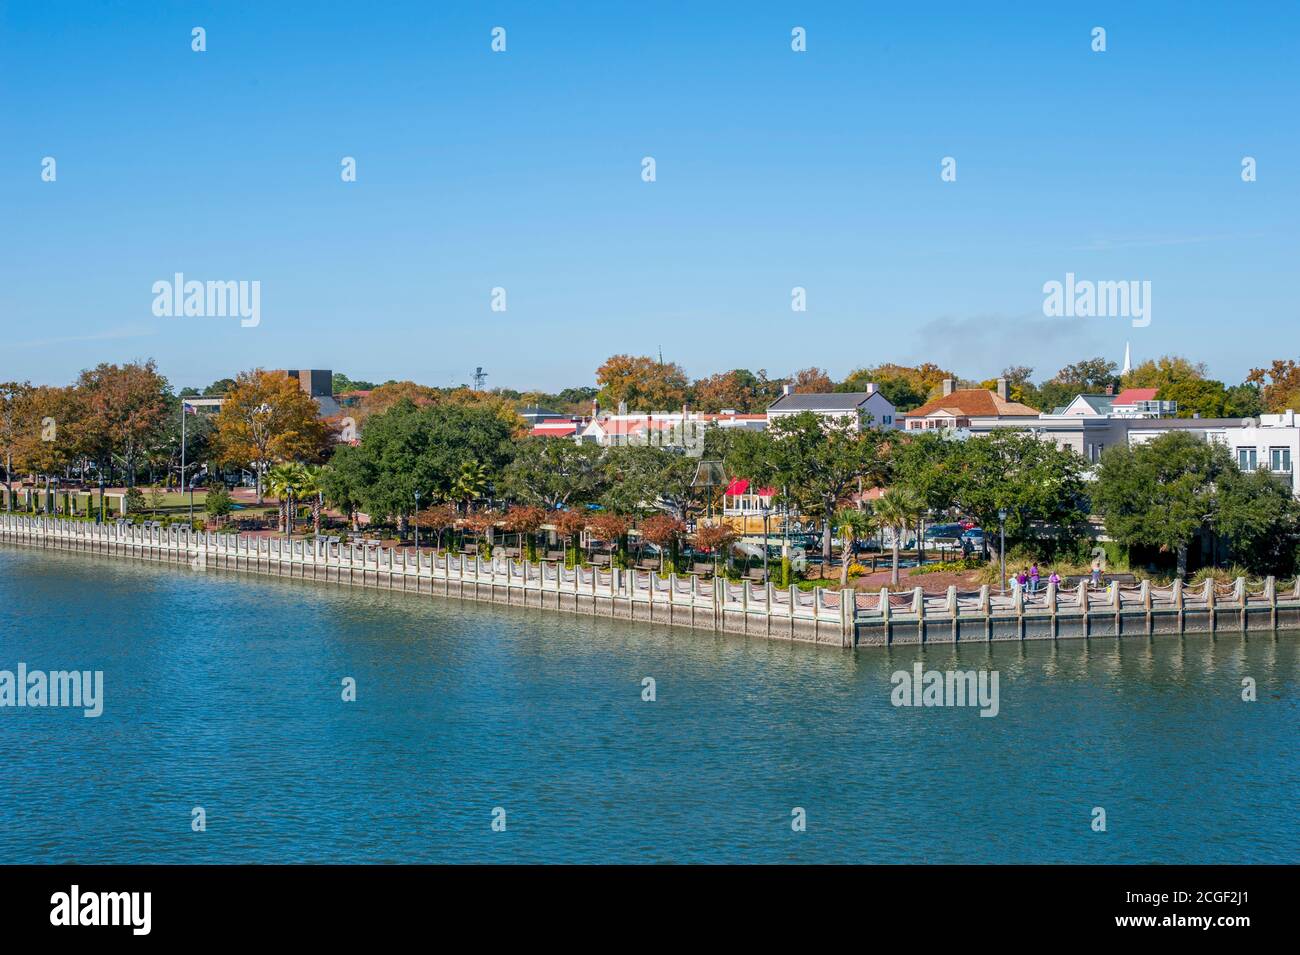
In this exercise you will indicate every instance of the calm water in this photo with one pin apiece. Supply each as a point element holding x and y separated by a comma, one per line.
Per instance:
<point>223,691</point>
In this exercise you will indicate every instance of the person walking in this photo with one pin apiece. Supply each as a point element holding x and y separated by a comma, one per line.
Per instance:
<point>1033,578</point>
<point>1096,573</point>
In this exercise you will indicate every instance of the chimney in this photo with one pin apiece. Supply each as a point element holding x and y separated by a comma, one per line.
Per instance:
<point>871,387</point>
<point>947,387</point>
<point>1002,388</point>
<point>595,407</point>
<point>1110,390</point>
<point>622,408</point>
<point>785,389</point>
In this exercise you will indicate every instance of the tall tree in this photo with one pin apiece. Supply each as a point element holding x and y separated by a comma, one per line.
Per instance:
<point>898,510</point>
<point>643,382</point>
<point>642,478</point>
<point>1161,493</point>
<point>267,418</point>
<point>906,386</point>
<point>12,394</point>
<point>123,407</point>
<point>736,390</point>
<point>554,473</point>
<point>811,381</point>
<point>1279,385</point>
<point>819,461</point>
<point>1039,486</point>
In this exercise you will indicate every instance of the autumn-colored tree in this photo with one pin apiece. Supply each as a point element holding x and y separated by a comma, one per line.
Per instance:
<point>811,381</point>
<point>12,394</point>
<point>122,406</point>
<point>716,538</point>
<point>390,393</point>
<point>736,390</point>
<point>44,432</point>
<point>482,523</point>
<point>643,382</point>
<point>905,386</point>
<point>1279,385</point>
<point>611,528</point>
<point>267,418</point>
<point>436,519</point>
<point>1164,371</point>
<point>525,521</point>
<point>665,532</point>
<point>568,524</point>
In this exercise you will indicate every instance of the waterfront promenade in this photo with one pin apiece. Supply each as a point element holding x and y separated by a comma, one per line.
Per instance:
<point>823,615</point>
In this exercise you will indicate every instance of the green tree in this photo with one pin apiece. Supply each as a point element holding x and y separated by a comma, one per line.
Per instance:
<point>1261,520</point>
<point>554,473</point>
<point>345,479</point>
<point>1039,486</point>
<point>287,481</point>
<point>218,504</point>
<point>899,509</point>
<point>1202,397</point>
<point>642,478</point>
<point>1162,493</point>
<point>852,524</point>
<point>819,461</point>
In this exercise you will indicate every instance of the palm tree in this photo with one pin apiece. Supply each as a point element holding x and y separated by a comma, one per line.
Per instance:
<point>897,511</point>
<point>851,523</point>
<point>285,481</point>
<point>314,487</point>
<point>470,483</point>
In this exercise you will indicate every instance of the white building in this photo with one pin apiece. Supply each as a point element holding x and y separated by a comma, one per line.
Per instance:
<point>856,407</point>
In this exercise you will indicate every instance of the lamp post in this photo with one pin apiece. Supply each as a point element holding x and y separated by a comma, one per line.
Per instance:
<point>101,497</point>
<point>1002,547</point>
<point>416,522</point>
<point>192,480</point>
<point>766,509</point>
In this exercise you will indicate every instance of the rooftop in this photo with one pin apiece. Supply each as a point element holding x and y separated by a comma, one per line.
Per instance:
<point>973,403</point>
<point>825,401</point>
<point>1131,396</point>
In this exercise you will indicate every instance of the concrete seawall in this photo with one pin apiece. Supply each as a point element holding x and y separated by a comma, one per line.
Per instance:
<point>827,616</point>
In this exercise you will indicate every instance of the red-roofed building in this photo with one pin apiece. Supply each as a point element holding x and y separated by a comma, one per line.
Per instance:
<point>743,504</point>
<point>554,428</point>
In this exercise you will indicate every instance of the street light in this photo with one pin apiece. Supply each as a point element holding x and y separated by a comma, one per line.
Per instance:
<point>1002,548</point>
<point>416,522</point>
<point>766,508</point>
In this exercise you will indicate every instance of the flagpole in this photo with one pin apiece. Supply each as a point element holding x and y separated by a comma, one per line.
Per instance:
<point>182,487</point>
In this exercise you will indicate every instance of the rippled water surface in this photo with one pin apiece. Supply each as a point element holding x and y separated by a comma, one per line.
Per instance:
<point>223,691</point>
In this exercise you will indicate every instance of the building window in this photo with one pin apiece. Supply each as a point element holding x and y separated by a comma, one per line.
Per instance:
<point>889,419</point>
<point>1279,459</point>
<point>1247,459</point>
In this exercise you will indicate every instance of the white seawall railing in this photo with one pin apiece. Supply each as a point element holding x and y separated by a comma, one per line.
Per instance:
<point>821,615</point>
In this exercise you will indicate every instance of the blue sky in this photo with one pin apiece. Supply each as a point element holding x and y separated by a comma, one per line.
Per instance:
<point>522,170</point>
